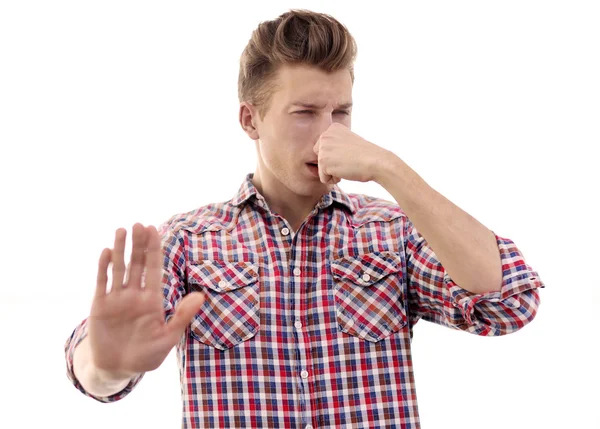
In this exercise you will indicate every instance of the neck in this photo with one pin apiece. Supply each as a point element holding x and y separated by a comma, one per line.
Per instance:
<point>284,202</point>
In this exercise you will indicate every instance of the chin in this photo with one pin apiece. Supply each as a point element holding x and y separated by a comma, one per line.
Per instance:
<point>308,187</point>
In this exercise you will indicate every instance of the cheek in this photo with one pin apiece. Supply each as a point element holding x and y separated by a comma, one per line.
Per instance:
<point>303,131</point>
<point>287,140</point>
<point>300,129</point>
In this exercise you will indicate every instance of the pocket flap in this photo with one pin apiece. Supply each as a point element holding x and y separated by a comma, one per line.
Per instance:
<point>223,276</point>
<point>366,269</point>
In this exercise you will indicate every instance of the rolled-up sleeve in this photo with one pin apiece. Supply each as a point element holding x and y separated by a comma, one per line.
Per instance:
<point>435,297</point>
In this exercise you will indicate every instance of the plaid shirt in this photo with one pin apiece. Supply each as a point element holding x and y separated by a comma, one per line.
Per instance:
<point>313,329</point>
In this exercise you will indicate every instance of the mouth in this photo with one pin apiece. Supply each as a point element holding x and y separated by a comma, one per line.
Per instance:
<point>314,168</point>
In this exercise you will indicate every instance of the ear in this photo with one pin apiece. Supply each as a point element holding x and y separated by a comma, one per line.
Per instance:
<point>248,119</point>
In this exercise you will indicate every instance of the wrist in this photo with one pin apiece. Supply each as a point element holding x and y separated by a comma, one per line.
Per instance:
<point>110,378</point>
<point>386,167</point>
<point>90,374</point>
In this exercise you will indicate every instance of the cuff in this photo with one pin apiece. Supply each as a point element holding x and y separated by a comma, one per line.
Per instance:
<point>503,311</point>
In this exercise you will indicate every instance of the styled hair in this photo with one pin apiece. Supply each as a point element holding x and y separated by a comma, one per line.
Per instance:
<point>296,37</point>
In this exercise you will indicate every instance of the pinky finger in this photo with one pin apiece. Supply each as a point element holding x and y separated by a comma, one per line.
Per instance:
<point>102,279</point>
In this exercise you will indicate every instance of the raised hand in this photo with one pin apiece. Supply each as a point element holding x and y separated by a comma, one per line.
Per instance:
<point>126,327</point>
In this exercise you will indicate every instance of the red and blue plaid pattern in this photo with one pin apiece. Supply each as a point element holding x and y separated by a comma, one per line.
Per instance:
<point>313,328</point>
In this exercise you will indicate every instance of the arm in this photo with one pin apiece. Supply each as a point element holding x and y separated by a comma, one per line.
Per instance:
<point>475,280</point>
<point>467,249</point>
<point>434,296</point>
<point>459,273</point>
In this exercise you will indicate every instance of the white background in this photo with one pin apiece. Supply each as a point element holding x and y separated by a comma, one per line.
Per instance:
<point>115,112</point>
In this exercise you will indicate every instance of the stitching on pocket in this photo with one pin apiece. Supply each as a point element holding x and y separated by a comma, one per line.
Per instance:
<point>223,276</point>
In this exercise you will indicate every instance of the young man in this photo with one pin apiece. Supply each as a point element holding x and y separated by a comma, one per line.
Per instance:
<point>302,298</point>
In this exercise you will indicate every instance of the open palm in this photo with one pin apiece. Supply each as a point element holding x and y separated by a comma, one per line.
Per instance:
<point>126,327</point>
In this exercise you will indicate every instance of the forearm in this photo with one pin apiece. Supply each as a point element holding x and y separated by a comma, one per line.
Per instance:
<point>466,248</point>
<point>91,378</point>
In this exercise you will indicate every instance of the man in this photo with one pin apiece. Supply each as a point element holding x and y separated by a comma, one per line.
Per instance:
<point>302,298</point>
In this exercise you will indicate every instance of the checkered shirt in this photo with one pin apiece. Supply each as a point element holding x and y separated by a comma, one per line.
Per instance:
<point>313,328</point>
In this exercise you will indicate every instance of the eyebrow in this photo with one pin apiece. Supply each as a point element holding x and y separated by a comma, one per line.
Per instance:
<point>315,106</point>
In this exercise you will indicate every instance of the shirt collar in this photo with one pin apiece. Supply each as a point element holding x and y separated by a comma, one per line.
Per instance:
<point>248,190</point>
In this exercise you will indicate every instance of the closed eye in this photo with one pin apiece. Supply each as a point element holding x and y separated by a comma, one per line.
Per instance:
<point>343,112</point>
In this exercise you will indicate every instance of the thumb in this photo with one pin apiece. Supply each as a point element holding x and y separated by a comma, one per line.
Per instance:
<point>185,312</point>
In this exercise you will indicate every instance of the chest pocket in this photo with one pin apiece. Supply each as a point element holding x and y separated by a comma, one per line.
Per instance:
<point>230,313</point>
<point>369,295</point>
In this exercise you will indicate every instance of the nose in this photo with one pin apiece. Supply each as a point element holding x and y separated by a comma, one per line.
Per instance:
<point>325,122</point>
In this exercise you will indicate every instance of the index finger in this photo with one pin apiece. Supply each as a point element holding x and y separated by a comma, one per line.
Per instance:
<point>154,260</point>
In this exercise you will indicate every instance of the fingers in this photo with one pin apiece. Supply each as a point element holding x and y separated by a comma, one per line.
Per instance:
<point>118,259</point>
<point>102,277</point>
<point>138,255</point>
<point>323,177</point>
<point>154,259</point>
<point>326,178</point>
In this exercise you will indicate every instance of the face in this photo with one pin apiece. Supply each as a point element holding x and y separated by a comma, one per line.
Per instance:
<point>305,103</point>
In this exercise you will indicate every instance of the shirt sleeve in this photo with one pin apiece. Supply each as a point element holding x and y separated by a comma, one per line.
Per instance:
<point>173,290</point>
<point>435,297</point>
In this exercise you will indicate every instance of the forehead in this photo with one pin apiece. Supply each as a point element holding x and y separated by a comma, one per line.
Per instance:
<point>310,85</point>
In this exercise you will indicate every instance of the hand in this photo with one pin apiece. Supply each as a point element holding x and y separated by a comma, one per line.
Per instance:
<point>343,154</point>
<point>126,327</point>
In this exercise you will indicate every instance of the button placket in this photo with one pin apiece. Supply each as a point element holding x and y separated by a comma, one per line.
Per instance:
<point>297,276</point>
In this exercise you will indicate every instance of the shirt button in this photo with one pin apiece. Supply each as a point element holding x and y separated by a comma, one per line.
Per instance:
<point>285,231</point>
<point>297,324</point>
<point>222,283</point>
<point>297,271</point>
<point>366,277</point>
<point>304,374</point>
<point>308,427</point>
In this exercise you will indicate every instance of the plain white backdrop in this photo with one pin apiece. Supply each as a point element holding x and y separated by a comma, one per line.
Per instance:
<point>116,112</point>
